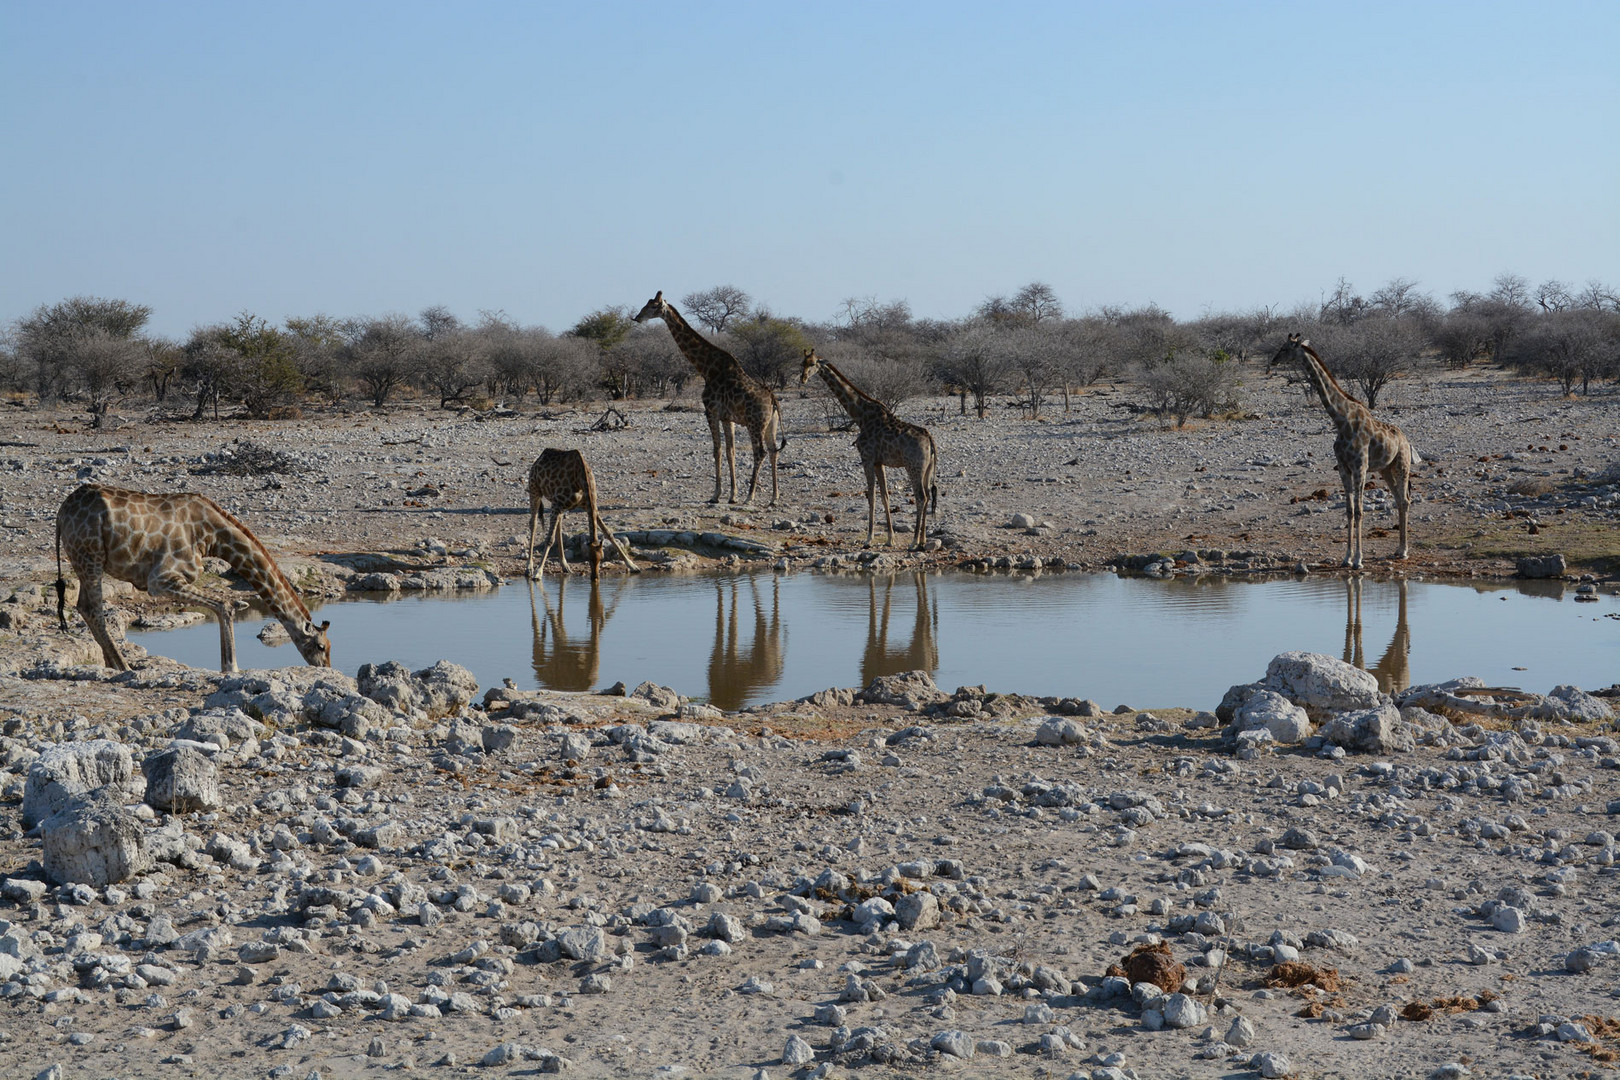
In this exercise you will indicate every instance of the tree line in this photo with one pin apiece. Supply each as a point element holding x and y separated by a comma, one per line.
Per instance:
<point>1024,346</point>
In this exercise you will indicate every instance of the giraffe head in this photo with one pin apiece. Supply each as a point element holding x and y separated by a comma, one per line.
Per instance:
<point>1292,351</point>
<point>812,364</point>
<point>312,642</point>
<point>654,308</point>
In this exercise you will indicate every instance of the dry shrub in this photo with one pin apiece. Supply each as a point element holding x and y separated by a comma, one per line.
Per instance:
<point>1151,964</point>
<point>1296,973</point>
<point>1533,487</point>
<point>285,412</point>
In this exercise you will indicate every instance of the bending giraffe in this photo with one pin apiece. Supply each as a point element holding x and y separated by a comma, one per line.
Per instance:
<point>157,543</point>
<point>564,479</point>
<point>730,396</point>
<point>885,440</point>
<point>1364,445</point>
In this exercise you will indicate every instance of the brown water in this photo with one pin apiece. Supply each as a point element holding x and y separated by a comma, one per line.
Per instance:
<point>744,639</point>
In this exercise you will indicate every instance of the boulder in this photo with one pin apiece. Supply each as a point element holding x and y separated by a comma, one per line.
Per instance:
<point>1572,704</point>
<point>659,697</point>
<point>1541,566</point>
<point>180,780</point>
<point>440,690</point>
<point>1378,730</point>
<point>66,770</point>
<point>1321,683</point>
<point>94,841</point>
<point>914,690</point>
<point>1271,712</point>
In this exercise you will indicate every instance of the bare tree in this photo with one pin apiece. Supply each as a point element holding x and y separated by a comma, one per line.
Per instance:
<point>719,307</point>
<point>1553,296</point>
<point>1193,382</point>
<point>103,369</point>
<point>47,339</point>
<point>453,364</point>
<point>1371,352</point>
<point>1037,303</point>
<point>1035,354</point>
<point>383,356</point>
<point>1574,345</point>
<point>318,341</point>
<point>653,360</point>
<point>975,362</point>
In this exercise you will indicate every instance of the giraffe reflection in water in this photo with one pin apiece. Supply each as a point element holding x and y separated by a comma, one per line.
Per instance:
<point>920,653</point>
<point>737,672</point>
<point>561,664</point>
<point>1393,670</point>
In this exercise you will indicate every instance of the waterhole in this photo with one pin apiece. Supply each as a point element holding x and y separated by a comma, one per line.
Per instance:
<point>743,639</point>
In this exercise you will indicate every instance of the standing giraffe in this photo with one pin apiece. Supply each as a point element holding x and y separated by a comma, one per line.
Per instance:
<point>157,543</point>
<point>730,396</point>
<point>1364,445</point>
<point>884,440</point>
<point>563,477</point>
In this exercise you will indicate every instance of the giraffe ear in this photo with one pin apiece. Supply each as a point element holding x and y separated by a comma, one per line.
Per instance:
<point>1304,341</point>
<point>659,296</point>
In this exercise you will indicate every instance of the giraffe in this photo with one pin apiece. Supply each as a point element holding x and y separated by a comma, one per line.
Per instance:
<point>884,440</point>
<point>157,543</point>
<point>563,477</point>
<point>730,396</point>
<point>1364,445</point>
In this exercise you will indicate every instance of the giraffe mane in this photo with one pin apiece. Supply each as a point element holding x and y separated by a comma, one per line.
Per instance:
<point>1326,371</point>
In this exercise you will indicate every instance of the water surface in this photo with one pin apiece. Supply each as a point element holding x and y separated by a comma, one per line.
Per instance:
<point>743,639</point>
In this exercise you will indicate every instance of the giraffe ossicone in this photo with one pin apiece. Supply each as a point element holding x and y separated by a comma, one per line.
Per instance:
<point>157,543</point>
<point>730,396</point>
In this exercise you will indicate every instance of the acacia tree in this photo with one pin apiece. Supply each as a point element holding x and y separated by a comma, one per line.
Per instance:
<point>49,338</point>
<point>382,356</point>
<point>1577,345</point>
<point>974,361</point>
<point>719,307</point>
<point>247,359</point>
<point>452,364</point>
<point>768,348</point>
<point>1036,303</point>
<point>1371,352</point>
<point>318,341</point>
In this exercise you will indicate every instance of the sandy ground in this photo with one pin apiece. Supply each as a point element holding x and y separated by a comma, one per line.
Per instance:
<point>898,888</point>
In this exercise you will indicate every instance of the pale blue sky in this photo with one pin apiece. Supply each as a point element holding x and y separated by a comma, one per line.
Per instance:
<point>547,160</point>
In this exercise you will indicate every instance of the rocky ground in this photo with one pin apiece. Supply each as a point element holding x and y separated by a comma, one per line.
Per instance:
<point>318,875</point>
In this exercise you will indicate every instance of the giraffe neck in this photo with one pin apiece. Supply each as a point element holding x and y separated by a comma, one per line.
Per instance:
<point>860,405</point>
<point>1340,405</point>
<point>702,354</point>
<point>248,557</point>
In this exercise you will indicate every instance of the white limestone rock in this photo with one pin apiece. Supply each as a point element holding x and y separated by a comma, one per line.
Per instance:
<point>66,770</point>
<point>94,841</point>
<point>1321,683</point>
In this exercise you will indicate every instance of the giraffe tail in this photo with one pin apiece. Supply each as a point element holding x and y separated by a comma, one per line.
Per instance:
<point>61,582</point>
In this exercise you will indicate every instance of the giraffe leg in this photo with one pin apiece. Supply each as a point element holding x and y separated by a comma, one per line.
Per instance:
<point>95,616</point>
<point>545,552</point>
<point>534,520</point>
<point>888,512</point>
<point>871,504</point>
<point>182,591</point>
<point>714,434</point>
<point>619,546</point>
<point>1352,503</point>
<point>1399,479</point>
<point>759,457</point>
<point>731,458</point>
<point>921,532</point>
<point>557,536</point>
